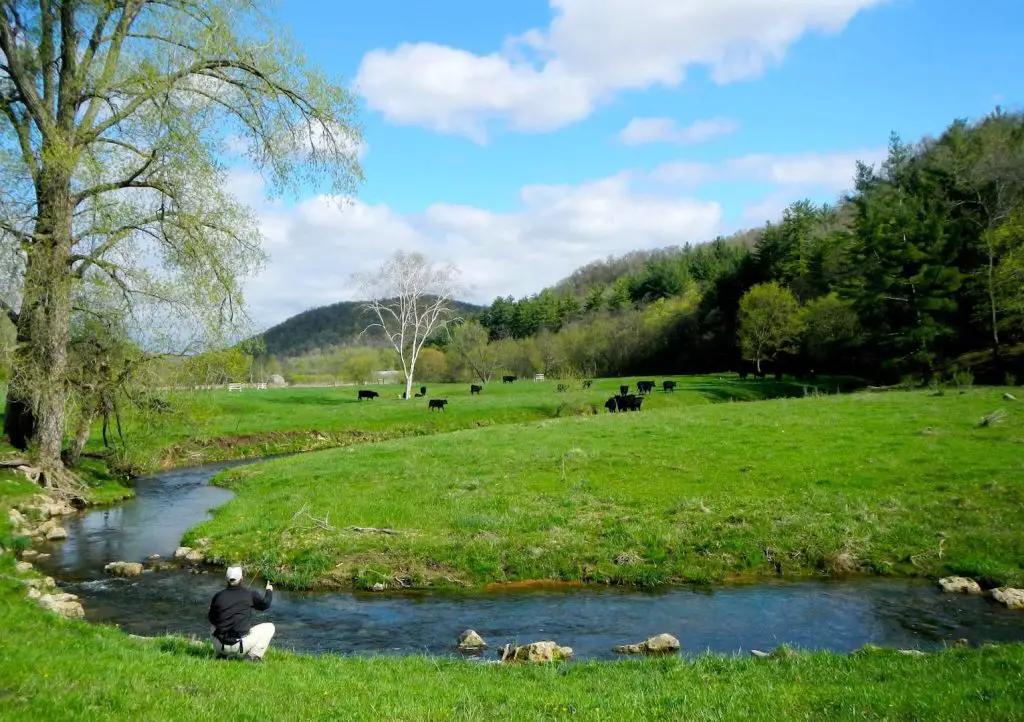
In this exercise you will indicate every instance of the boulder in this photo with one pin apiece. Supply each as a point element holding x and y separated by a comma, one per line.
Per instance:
<point>30,555</point>
<point>277,380</point>
<point>1009,597</point>
<point>123,569</point>
<point>759,654</point>
<point>660,644</point>
<point>378,587</point>
<point>57,533</point>
<point>959,585</point>
<point>23,566</point>
<point>67,605</point>
<point>540,652</point>
<point>59,508</point>
<point>188,554</point>
<point>16,518</point>
<point>470,640</point>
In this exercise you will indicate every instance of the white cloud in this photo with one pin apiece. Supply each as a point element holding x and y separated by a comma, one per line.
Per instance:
<point>829,171</point>
<point>592,49</point>
<point>316,245</point>
<point>641,131</point>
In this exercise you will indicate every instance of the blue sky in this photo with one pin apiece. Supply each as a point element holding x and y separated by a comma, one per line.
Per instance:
<point>523,139</point>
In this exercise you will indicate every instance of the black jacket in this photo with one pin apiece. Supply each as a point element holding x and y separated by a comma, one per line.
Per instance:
<point>231,611</point>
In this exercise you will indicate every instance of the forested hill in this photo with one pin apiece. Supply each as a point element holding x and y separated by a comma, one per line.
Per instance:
<point>336,325</point>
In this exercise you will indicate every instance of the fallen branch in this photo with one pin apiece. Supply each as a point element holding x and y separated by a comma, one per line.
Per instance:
<point>371,530</point>
<point>321,523</point>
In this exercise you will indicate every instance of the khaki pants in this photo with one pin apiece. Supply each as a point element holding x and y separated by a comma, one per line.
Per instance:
<point>254,644</point>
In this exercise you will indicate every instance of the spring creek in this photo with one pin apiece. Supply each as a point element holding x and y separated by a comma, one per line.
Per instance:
<point>838,615</point>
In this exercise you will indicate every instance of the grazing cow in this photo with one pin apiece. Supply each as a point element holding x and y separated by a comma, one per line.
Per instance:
<point>423,390</point>
<point>668,385</point>
<point>367,394</point>
<point>587,384</point>
<point>644,387</point>
<point>624,389</point>
<point>475,389</point>
<point>438,404</point>
<point>624,403</point>
<point>507,379</point>
<point>562,388</point>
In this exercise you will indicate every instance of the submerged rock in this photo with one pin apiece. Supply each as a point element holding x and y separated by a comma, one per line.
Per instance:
<point>1009,597</point>
<point>537,652</point>
<point>959,585</point>
<point>470,640</point>
<point>124,569</point>
<point>659,644</point>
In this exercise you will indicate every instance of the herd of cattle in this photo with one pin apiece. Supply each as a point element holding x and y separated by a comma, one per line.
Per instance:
<point>624,401</point>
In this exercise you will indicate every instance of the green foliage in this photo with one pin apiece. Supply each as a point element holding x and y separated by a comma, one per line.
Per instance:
<point>770,322</point>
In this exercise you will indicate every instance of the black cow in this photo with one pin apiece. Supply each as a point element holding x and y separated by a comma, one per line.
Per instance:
<point>507,379</point>
<point>367,394</point>
<point>562,388</point>
<point>587,384</point>
<point>628,402</point>
<point>644,387</point>
<point>423,390</point>
<point>475,389</point>
<point>624,389</point>
<point>668,385</point>
<point>438,404</point>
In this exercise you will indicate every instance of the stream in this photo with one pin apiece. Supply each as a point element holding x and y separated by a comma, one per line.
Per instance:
<point>839,615</point>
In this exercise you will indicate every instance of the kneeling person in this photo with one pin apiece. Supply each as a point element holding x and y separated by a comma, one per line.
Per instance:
<point>231,617</point>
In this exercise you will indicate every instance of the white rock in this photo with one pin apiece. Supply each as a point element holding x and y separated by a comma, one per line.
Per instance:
<point>67,605</point>
<point>1009,597</point>
<point>759,654</point>
<point>23,566</point>
<point>124,569</point>
<point>16,518</point>
<point>58,533</point>
<point>959,585</point>
<point>471,640</point>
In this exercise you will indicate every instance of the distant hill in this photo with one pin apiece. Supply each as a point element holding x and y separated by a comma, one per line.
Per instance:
<point>339,324</point>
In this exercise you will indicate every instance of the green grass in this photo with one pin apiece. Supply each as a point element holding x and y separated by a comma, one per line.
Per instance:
<point>51,668</point>
<point>208,426</point>
<point>679,492</point>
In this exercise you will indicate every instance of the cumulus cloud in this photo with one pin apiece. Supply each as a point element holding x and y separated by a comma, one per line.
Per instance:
<point>642,131</point>
<point>830,171</point>
<point>548,78</point>
<point>317,244</point>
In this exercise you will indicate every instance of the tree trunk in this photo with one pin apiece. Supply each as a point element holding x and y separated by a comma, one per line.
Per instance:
<point>88,413</point>
<point>44,321</point>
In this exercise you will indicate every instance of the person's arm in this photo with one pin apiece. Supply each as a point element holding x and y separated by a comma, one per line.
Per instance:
<point>211,614</point>
<point>263,603</point>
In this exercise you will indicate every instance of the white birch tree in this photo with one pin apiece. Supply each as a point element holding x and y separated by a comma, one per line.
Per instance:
<point>411,298</point>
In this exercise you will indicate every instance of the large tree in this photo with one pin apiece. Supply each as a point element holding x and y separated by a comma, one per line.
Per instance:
<point>411,299</point>
<point>770,322</point>
<point>117,116</point>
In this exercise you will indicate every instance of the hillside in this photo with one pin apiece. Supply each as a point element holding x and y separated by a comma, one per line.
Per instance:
<point>339,324</point>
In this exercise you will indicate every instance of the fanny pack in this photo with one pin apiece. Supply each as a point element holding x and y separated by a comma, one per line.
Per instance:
<point>229,639</point>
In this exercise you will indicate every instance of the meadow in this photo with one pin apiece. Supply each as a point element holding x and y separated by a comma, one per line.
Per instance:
<point>196,427</point>
<point>904,483</point>
<point>524,483</point>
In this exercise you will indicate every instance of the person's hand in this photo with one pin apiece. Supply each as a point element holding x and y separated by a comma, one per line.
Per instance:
<point>270,587</point>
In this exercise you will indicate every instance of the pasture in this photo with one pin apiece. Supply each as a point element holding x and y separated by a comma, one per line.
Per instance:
<point>905,483</point>
<point>204,426</point>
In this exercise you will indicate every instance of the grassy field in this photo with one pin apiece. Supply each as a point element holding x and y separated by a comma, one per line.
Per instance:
<point>208,426</point>
<point>894,483</point>
<point>52,668</point>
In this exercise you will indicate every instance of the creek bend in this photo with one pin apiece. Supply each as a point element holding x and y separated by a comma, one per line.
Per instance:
<point>838,615</point>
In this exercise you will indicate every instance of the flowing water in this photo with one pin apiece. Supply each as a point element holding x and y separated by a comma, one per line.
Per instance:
<point>835,615</point>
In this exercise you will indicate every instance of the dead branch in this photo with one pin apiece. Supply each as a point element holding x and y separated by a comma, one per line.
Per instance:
<point>371,530</point>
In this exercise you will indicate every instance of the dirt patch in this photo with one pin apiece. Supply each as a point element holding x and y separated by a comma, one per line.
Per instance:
<point>550,584</point>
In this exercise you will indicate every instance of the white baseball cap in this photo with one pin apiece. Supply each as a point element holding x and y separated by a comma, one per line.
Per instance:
<point>234,574</point>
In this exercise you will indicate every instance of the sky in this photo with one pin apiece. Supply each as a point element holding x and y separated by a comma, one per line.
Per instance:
<point>523,139</point>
